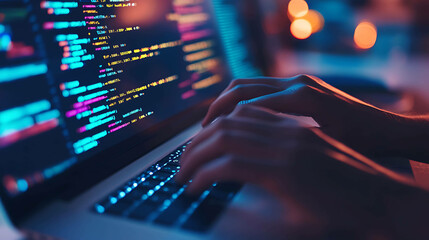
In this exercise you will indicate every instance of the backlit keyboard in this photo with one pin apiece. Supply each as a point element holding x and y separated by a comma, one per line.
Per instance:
<point>153,196</point>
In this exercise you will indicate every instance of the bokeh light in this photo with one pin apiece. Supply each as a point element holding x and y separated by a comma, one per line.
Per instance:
<point>315,19</point>
<point>297,8</point>
<point>301,29</point>
<point>365,35</point>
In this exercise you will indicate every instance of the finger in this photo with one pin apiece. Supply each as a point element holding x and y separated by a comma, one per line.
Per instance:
<point>258,113</point>
<point>229,169</point>
<point>232,142</point>
<point>226,143</point>
<point>279,82</point>
<point>227,102</point>
<point>228,124</point>
<point>275,82</point>
<point>298,99</point>
<point>247,125</point>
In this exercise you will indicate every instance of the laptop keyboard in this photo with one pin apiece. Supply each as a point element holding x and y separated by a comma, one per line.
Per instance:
<point>153,196</point>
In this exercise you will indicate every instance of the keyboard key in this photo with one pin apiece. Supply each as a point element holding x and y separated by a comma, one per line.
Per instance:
<point>170,188</point>
<point>161,176</point>
<point>174,163</point>
<point>151,169</point>
<point>169,169</point>
<point>162,162</point>
<point>176,209</point>
<point>136,194</point>
<point>150,205</point>
<point>158,198</point>
<point>204,216</point>
<point>150,183</point>
<point>173,183</point>
<point>142,211</point>
<point>119,208</point>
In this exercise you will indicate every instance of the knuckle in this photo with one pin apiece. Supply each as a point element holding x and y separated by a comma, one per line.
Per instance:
<point>304,78</point>
<point>308,92</point>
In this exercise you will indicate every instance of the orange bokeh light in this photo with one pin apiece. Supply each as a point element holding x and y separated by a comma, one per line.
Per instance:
<point>316,20</point>
<point>365,35</point>
<point>301,29</point>
<point>297,8</point>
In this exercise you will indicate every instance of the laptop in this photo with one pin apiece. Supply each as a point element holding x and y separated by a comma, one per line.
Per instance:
<point>99,99</point>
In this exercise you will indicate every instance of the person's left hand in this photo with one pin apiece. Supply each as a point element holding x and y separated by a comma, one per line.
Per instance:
<point>330,185</point>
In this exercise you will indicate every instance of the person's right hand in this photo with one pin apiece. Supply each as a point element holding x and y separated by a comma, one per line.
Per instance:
<point>327,186</point>
<point>368,129</point>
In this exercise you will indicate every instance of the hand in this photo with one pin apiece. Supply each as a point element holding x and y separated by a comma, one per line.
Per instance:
<point>329,185</point>
<point>370,130</point>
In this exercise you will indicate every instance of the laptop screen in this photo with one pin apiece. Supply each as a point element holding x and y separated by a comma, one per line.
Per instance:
<point>82,81</point>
